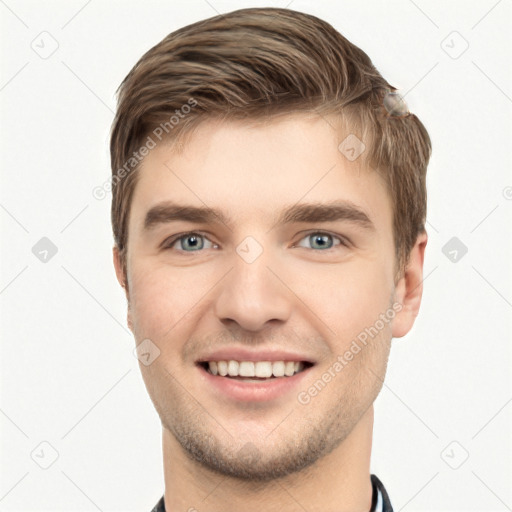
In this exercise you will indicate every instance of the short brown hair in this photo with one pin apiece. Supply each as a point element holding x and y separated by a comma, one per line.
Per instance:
<point>261,62</point>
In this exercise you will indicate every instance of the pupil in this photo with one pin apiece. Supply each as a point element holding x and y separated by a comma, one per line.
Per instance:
<point>194,239</point>
<point>320,239</point>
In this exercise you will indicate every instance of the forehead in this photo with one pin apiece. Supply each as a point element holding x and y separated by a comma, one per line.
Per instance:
<point>250,170</point>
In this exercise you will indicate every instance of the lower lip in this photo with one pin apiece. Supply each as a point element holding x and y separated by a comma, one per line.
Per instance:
<point>251,391</point>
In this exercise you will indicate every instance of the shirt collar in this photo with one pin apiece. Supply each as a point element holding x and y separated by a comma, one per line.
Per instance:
<point>380,500</point>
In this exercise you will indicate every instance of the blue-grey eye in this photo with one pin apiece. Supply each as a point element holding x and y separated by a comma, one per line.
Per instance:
<point>322,241</point>
<point>193,241</point>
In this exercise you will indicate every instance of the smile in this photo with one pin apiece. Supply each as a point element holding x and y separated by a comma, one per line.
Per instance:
<point>258,369</point>
<point>252,381</point>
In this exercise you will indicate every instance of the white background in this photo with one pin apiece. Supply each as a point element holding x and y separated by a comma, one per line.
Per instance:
<point>68,375</point>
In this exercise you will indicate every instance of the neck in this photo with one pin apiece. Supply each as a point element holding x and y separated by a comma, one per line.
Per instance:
<point>338,482</point>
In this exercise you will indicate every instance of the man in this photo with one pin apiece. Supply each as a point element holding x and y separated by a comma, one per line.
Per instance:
<point>268,213</point>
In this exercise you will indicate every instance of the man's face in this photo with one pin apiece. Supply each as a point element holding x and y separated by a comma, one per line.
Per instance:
<point>255,283</point>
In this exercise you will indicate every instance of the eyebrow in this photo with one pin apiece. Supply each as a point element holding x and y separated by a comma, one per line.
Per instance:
<point>167,211</point>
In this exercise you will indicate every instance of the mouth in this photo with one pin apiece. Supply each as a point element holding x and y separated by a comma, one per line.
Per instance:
<point>254,371</point>
<point>239,375</point>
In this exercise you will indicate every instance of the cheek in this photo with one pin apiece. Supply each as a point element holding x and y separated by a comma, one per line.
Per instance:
<point>348,299</point>
<point>160,299</point>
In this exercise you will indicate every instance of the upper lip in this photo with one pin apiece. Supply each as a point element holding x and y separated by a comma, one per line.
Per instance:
<point>239,354</point>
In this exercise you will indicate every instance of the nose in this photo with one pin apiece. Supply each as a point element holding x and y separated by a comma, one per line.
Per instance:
<point>252,296</point>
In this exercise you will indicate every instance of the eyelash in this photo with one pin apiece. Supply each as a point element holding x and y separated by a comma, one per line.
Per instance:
<point>170,242</point>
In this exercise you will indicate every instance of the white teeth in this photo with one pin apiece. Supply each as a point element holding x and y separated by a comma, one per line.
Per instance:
<point>222,367</point>
<point>233,368</point>
<point>262,369</point>
<point>289,368</point>
<point>246,369</point>
<point>278,369</point>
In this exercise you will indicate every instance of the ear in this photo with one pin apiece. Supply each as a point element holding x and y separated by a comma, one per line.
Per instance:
<point>409,289</point>
<point>121,278</point>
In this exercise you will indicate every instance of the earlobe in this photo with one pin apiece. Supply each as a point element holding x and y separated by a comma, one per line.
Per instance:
<point>408,291</point>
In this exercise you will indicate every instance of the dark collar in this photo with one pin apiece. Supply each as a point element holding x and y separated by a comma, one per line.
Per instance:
<point>376,485</point>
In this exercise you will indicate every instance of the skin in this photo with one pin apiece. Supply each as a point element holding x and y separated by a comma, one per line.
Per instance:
<point>295,296</point>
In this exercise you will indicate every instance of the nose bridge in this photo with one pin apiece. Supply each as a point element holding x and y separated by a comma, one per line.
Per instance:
<point>251,295</point>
